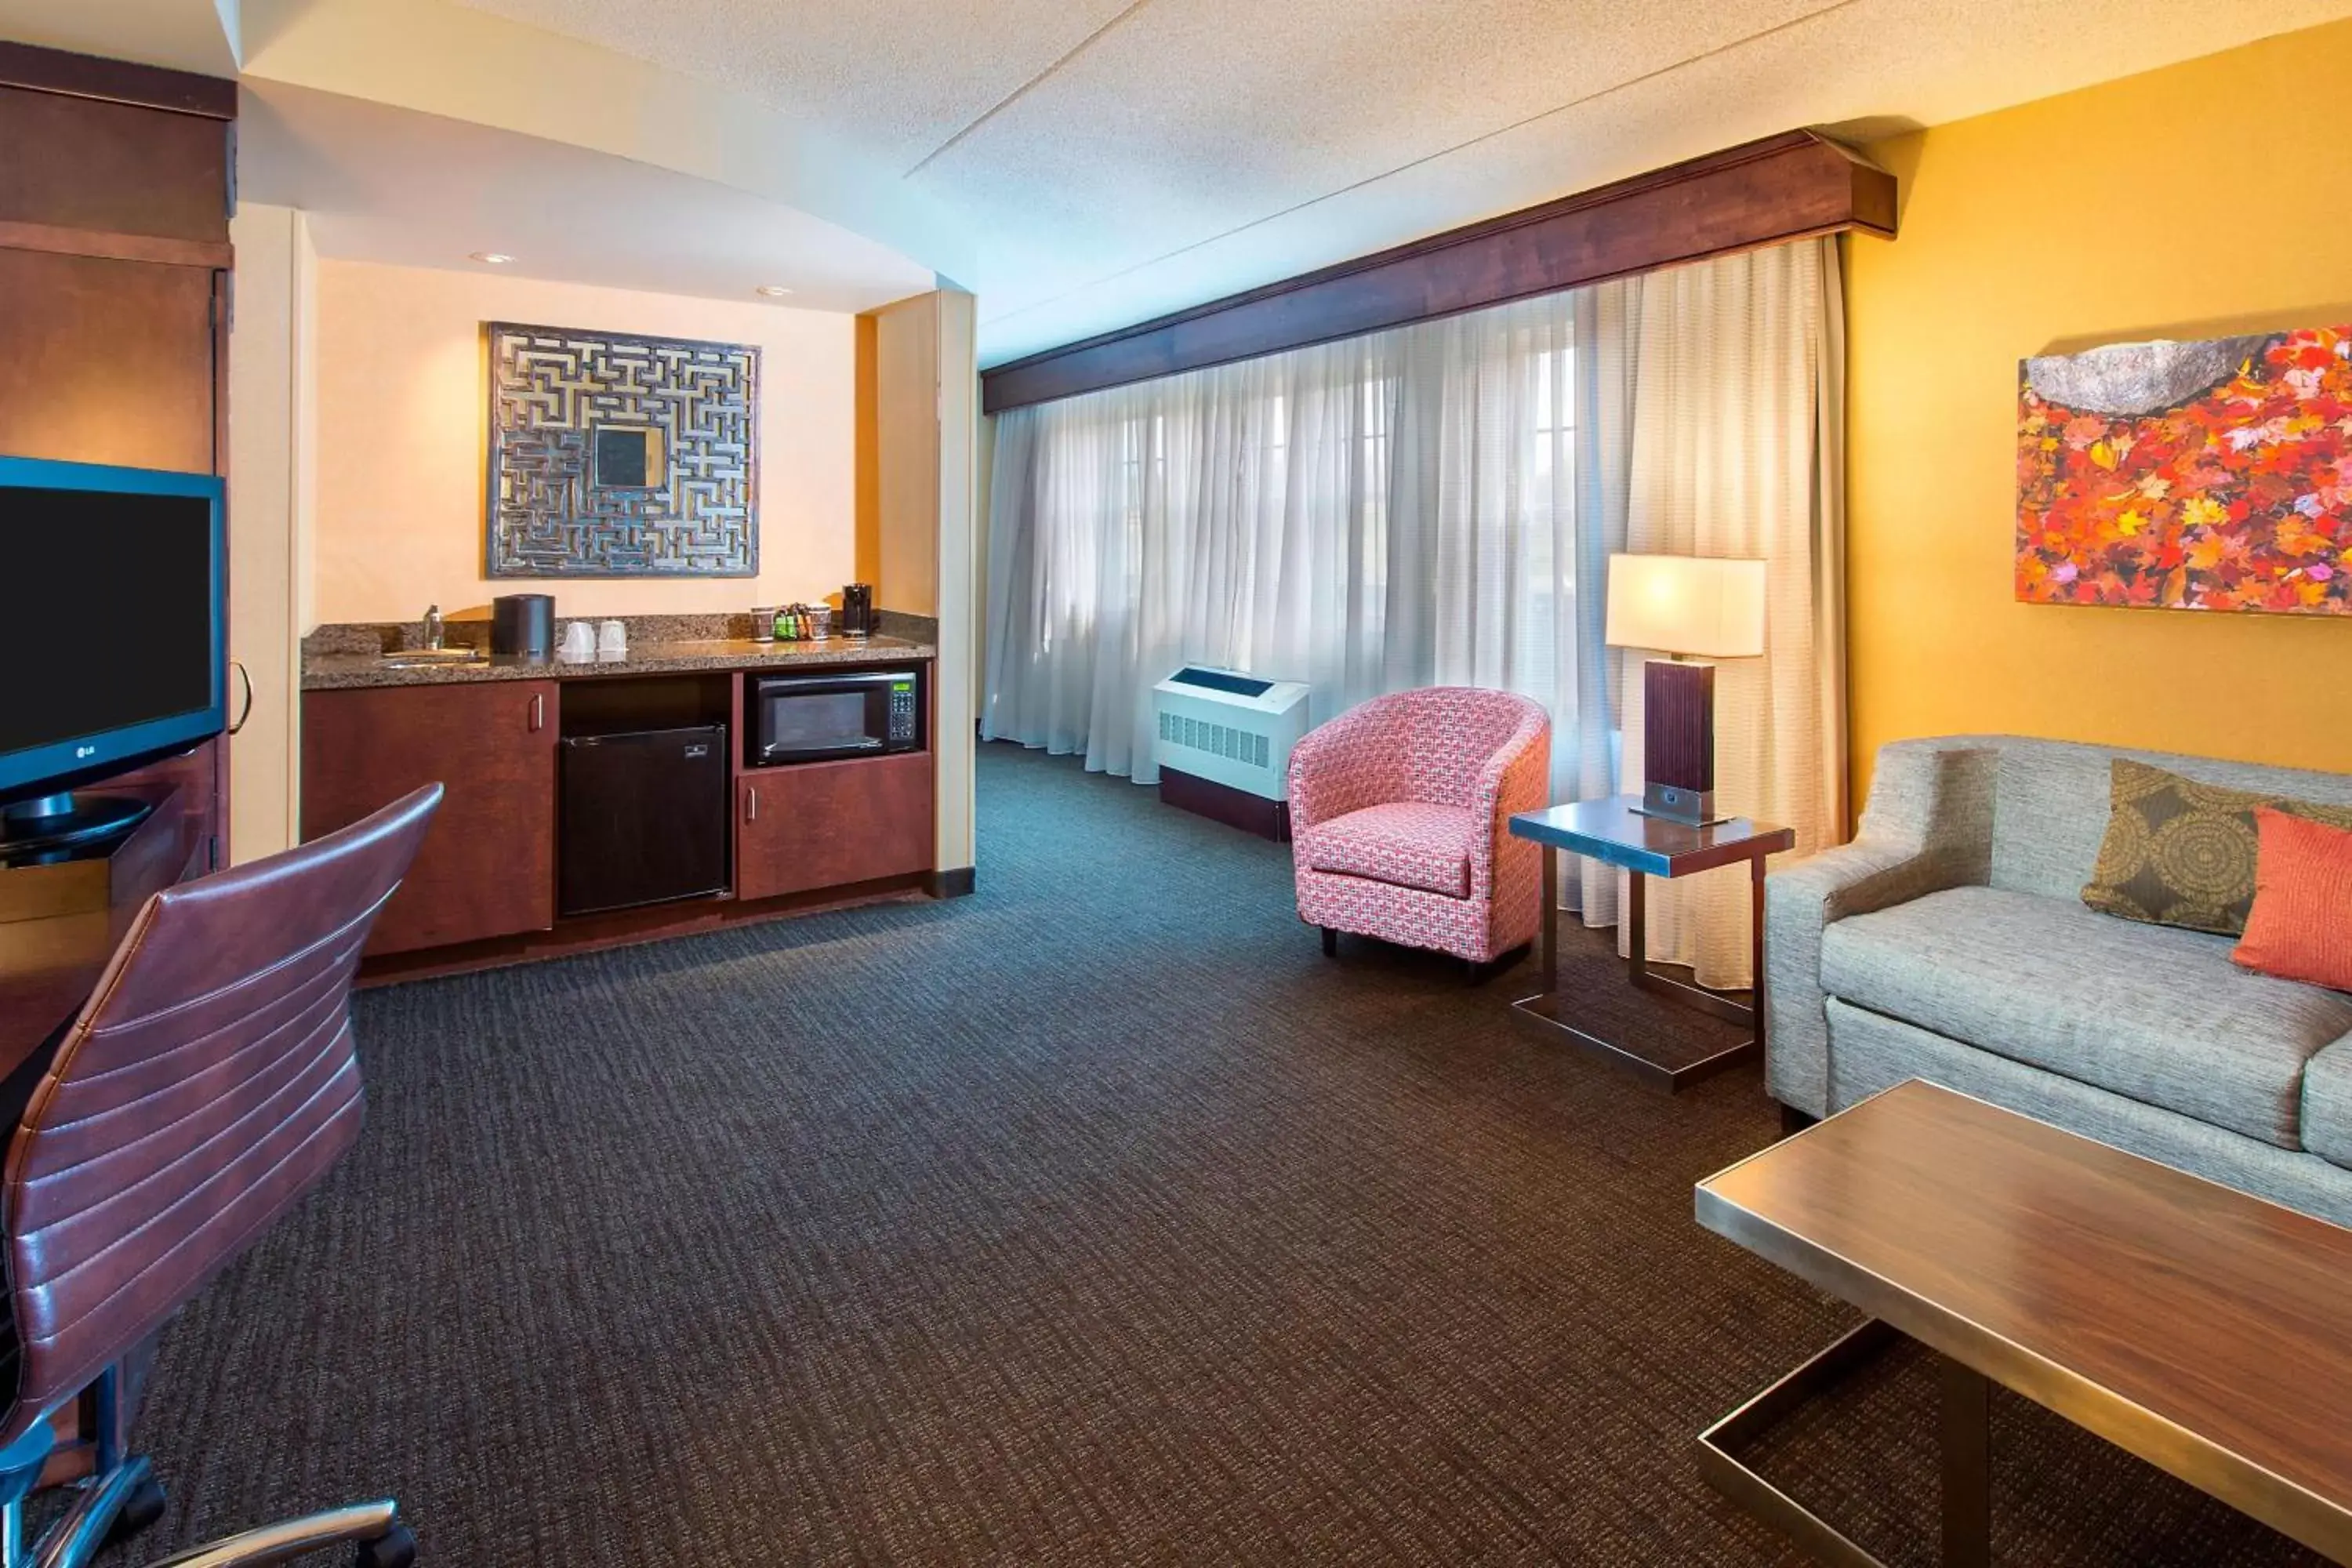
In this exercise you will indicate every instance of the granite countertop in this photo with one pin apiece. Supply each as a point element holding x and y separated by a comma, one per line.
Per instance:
<point>343,671</point>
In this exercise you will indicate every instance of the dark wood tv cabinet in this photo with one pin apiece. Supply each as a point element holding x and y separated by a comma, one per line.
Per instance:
<point>61,922</point>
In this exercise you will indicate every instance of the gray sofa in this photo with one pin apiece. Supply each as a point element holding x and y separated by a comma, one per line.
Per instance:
<point>1950,941</point>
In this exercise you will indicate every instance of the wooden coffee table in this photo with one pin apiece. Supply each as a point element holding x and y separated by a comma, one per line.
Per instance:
<point>2202,1330</point>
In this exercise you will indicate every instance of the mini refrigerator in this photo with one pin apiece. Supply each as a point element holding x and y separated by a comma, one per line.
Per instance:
<point>644,820</point>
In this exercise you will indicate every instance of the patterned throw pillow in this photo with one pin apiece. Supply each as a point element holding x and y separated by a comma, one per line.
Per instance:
<point>2179,853</point>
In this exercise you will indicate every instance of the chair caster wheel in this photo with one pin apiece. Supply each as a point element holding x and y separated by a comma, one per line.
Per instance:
<point>395,1548</point>
<point>140,1512</point>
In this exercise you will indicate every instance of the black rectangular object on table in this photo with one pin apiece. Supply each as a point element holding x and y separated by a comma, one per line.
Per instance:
<point>644,820</point>
<point>523,624</point>
<point>1678,741</point>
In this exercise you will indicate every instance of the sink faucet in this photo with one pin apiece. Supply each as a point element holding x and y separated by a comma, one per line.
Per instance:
<point>434,633</point>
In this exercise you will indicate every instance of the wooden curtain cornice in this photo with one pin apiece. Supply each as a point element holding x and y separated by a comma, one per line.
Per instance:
<point>1789,186</point>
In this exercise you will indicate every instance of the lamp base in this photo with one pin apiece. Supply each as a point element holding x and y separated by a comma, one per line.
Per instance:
<point>1678,741</point>
<point>1692,809</point>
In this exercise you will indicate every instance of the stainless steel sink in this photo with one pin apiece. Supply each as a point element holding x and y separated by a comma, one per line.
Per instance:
<point>408,658</point>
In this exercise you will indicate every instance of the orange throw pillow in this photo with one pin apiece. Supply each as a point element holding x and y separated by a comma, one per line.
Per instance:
<point>2301,925</point>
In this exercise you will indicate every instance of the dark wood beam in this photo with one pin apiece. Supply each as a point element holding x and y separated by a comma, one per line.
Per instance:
<point>1789,186</point>
<point>111,247</point>
<point>116,81</point>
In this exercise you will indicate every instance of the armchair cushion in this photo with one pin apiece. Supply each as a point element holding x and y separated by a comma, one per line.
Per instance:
<point>1407,843</point>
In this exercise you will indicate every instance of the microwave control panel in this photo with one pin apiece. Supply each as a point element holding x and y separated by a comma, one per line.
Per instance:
<point>902,710</point>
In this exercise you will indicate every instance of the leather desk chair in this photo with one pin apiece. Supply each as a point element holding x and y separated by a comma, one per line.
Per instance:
<point>205,1086</point>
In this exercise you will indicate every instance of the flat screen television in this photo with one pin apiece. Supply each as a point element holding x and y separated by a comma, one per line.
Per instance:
<point>114,629</point>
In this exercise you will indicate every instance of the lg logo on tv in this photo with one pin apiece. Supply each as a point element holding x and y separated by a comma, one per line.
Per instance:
<point>81,751</point>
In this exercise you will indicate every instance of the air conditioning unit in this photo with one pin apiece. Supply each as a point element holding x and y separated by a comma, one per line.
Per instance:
<point>1223,743</point>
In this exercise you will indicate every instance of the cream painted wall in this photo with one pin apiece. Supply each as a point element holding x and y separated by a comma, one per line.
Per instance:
<point>272,501</point>
<point>925,433</point>
<point>958,577</point>
<point>2138,210</point>
<point>401,431</point>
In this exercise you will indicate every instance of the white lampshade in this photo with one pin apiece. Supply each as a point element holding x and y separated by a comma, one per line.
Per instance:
<point>1686,603</point>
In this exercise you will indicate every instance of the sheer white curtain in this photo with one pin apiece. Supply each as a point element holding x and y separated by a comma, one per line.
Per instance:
<point>1232,516</point>
<point>1436,505</point>
<point>1389,511</point>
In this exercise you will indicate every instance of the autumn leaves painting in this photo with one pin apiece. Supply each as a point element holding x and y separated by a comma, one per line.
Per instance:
<point>2190,476</point>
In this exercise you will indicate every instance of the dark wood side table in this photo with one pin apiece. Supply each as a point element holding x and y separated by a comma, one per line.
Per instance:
<point>1613,833</point>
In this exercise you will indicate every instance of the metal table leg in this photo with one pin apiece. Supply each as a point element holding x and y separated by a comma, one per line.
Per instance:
<point>1637,961</point>
<point>1967,1454</point>
<point>1547,955</point>
<point>1967,1466</point>
<point>1550,1010</point>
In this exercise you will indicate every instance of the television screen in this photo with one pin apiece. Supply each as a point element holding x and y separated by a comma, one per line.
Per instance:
<point>113,614</point>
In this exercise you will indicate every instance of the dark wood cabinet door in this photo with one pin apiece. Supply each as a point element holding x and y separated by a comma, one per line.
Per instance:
<point>84,165</point>
<point>826,824</point>
<point>106,362</point>
<point>487,865</point>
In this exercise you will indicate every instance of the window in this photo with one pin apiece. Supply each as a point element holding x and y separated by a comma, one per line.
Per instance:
<point>1252,515</point>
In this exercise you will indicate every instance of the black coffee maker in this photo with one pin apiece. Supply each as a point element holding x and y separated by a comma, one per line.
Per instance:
<point>858,610</point>
<point>523,624</point>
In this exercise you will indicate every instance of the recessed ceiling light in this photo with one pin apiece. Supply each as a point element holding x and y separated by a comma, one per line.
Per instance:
<point>495,257</point>
<point>772,290</point>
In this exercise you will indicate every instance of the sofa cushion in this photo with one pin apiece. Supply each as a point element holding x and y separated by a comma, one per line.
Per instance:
<point>2153,1013</point>
<point>2180,853</point>
<point>2328,1104</point>
<point>1408,843</point>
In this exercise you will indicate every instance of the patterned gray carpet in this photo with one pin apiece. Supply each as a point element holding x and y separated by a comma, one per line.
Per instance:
<point>1095,1218</point>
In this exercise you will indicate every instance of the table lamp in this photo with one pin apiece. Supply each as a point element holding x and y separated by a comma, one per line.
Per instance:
<point>1683,605</point>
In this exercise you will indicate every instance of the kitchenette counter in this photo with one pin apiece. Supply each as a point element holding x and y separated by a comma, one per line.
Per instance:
<point>346,671</point>
<point>620,799</point>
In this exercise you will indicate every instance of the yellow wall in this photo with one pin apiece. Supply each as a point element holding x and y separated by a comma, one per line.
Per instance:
<point>2169,204</point>
<point>401,407</point>
<point>908,434</point>
<point>869,452</point>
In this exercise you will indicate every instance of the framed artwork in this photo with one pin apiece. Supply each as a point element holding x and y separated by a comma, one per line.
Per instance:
<point>2214,475</point>
<point>617,455</point>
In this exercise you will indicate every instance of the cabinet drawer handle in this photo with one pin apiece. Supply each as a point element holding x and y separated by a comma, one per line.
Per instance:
<point>751,802</point>
<point>538,710</point>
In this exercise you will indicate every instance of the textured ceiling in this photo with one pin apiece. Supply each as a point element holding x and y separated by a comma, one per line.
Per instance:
<point>1112,161</point>
<point>1082,165</point>
<point>905,74</point>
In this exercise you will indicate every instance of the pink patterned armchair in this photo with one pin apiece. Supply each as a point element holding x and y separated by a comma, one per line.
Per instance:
<point>1399,813</point>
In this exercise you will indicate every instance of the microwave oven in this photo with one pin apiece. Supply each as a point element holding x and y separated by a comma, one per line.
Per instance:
<point>823,717</point>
